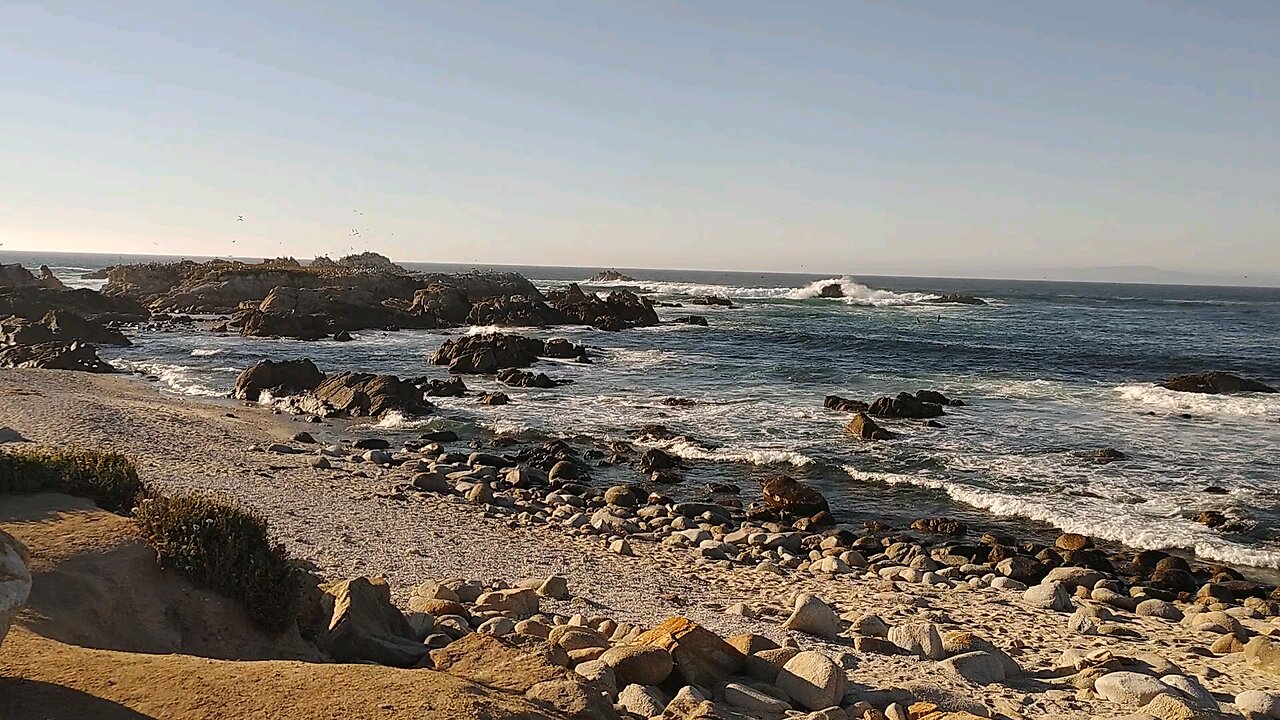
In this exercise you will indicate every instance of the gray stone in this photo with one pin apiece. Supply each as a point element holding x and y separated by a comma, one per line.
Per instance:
<point>555,587</point>
<point>1129,689</point>
<point>1191,688</point>
<point>982,668</point>
<point>1048,596</point>
<point>1159,609</point>
<point>870,626</point>
<point>1073,577</point>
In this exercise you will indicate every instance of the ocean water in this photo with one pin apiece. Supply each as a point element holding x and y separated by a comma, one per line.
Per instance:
<point>1050,371</point>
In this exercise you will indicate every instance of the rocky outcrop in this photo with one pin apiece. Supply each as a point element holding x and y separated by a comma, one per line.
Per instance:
<point>487,354</point>
<point>611,276</point>
<point>448,305</point>
<point>956,299</point>
<point>790,495</point>
<point>371,261</point>
<point>863,427</point>
<point>16,276</point>
<point>905,405</point>
<point>619,310</point>
<point>15,580</point>
<point>61,326</point>
<point>712,301</point>
<point>835,402</point>
<point>831,290</point>
<point>691,320</point>
<point>280,378</point>
<point>701,657</point>
<point>517,310</point>
<point>55,355</point>
<point>364,626</point>
<point>525,379</point>
<point>364,395</point>
<point>1215,383</point>
<point>34,303</point>
<point>315,313</point>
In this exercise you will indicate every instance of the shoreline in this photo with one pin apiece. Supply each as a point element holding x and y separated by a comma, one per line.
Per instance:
<point>352,521</point>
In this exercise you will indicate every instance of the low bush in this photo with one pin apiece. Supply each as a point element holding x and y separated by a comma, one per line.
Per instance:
<point>108,478</point>
<point>215,542</point>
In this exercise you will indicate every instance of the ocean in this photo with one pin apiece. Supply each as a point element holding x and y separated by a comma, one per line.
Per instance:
<point>1051,371</point>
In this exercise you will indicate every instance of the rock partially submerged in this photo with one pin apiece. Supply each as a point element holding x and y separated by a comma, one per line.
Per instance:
<point>905,405</point>
<point>488,353</point>
<point>278,377</point>
<point>835,402</point>
<point>316,313</point>
<point>364,395</point>
<point>956,299</point>
<point>618,310</point>
<point>1215,383</point>
<point>788,494</point>
<point>864,428</point>
<point>611,276</point>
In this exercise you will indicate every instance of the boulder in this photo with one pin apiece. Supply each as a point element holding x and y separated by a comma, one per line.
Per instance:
<point>642,700</point>
<point>55,356</point>
<point>691,320</point>
<point>278,377</point>
<point>1259,704</point>
<point>34,303</point>
<point>639,664</point>
<point>447,305</point>
<point>365,627</point>
<point>787,494</point>
<point>919,639</point>
<point>1263,653</point>
<point>15,580</point>
<point>487,353</point>
<point>610,276</point>
<point>814,617</point>
<point>1129,689</point>
<point>978,667</point>
<point>497,663</point>
<point>1049,596</point>
<point>835,402</point>
<point>364,395</point>
<point>701,657</point>
<point>1214,383</point>
<point>517,310</point>
<point>453,387</point>
<point>863,427</point>
<point>619,310</point>
<point>956,299</point>
<point>940,526</point>
<point>905,405</point>
<point>66,326</point>
<point>813,681</point>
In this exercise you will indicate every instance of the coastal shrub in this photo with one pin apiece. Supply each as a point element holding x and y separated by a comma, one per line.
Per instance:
<point>108,478</point>
<point>218,544</point>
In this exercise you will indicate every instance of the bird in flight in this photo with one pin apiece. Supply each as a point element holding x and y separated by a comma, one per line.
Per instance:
<point>239,218</point>
<point>355,232</point>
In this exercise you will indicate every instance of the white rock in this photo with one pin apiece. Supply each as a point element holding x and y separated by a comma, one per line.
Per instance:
<point>1004,583</point>
<point>919,639</point>
<point>815,617</point>
<point>1191,688</point>
<point>15,580</point>
<point>1049,596</point>
<point>1263,705</point>
<point>643,700</point>
<point>752,700</point>
<point>813,681</point>
<point>1130,689</point>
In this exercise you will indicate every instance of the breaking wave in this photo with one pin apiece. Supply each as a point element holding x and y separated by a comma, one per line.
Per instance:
<point>1246,404</point>
<point>851,292</point>
<point>689,450</point>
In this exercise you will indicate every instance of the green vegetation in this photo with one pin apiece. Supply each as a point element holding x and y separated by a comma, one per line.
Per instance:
<point>209,539</point>
<point>218,544</point>
<point>108,478</point>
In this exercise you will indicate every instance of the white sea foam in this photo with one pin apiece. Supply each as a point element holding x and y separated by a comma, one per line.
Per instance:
<point>485,329</point>
<point>1248,404</point>
<point>852,292</point>
<point>205,352</point>
<point>176,378</point>
<point>750,456</point>
<point>1104,519</point>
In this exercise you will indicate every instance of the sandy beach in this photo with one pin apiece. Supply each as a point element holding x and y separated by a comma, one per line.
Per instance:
<point>349,521</point>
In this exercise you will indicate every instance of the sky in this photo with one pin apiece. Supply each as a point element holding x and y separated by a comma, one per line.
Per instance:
<point>980,138</point>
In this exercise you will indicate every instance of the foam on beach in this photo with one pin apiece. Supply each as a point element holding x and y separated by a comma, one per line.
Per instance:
<point>1246,404</point>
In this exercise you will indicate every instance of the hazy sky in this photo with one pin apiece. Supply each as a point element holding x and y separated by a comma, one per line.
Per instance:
<point>913,137</point>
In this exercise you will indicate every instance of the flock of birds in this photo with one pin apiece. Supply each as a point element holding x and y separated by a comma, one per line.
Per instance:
<point>355,233</point>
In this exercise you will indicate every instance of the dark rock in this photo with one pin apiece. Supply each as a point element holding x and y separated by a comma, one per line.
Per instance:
<point>448,305</point>
<point>956,299</point>
<point>562,349</point>
<point>453,387</point>
<point>1073,541</point>
<point>787,494</point>
<point>619,310</point>
<point>691,320</point>
<point>1107,455</point>
<point>862,426</point>
<point>904,405</point>
<point>654,459</point>
<point>439,436</point>
<point>522,378</point>
<point>304,438</point>
<point>487,354</point>
<point>316,313</point>
<point>941,526</point>
<point>1215,490</point>
<point>711,300</point>
<point>55,356</point>
<point>66,326</point>
<point>1089,558</point>
<point>342,336</point>
<point>932,396</point>
<point>1174,580</point>
<point>835,402</point>
<point>678,402</point>
<point>1214,383</point>
<point>517,310</point>
<point>278,377</point>
<point>831,290</point>
<point>371,444</point>
<point>494,398</point>
<point>1211,518</point>
<point>716,488</point>
<point>366,395</point>
<point>611,276</point>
